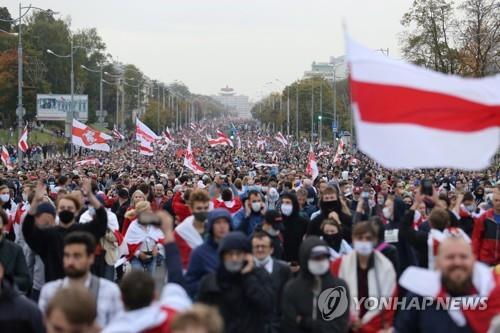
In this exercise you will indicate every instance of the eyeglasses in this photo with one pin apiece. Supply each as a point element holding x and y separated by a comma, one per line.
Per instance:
<point>263,247</point>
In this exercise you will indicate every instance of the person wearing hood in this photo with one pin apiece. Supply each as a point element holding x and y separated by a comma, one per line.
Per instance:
<point>242,292</point>
<point>272,225</point>
<point>331,233</point>
<point>295,227</point>
<point>300,306</point>
<point>394,212</point>
<point>331,202</point>
<point>7,203</point>
<point>251,215</point>
<point>204,258</point>
<point>48,242</point>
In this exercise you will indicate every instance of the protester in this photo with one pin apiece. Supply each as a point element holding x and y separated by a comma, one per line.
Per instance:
<point>200,319</point>
<point>272,225</point>
<point>48,242</point>
<point>485,237</point>
<point>295,227</point>
<point>205,258</point>
<point>457,275</point>
<point>79,248</point>
<point>262,250</point>
<point>17,313</point>
<point>301,294</point>
<point>247,219</point>
<point>71,310</point>
<point>12,259</point>
<point>242,292</point>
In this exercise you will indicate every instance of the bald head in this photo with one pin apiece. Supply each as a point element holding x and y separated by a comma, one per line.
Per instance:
<point>455,261</point>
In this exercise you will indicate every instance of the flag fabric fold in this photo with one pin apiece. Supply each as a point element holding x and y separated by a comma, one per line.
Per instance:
<point>5,156</point>
<point>117,135</point>
<point>23,140</point>
<point>89,138</point>
<point>410,117</point>
<point>312,165</point>
<point>281,139</point>
<point>190,162</point>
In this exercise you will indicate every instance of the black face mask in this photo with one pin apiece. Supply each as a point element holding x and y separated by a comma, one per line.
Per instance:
<point>333,240</point>
<point>329,206</point>
<point>65,216</point>
<point>200,216</point>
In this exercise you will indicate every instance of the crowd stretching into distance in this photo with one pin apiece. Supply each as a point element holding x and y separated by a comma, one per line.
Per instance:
<point>128,243</point>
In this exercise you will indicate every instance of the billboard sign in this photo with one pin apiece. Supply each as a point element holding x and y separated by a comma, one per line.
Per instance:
<point>54,107</point>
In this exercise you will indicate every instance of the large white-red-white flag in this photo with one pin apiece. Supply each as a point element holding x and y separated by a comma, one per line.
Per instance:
<point>5,156</point>
<point>89,161</point>
<point>222,140</point>
<point>89,138</point>
<point>312,165</point>
<point>190,162</point>
<point>146,137</point>
<point>23,140</point>
<point>167,136</point>
<point>281,139</point>
<point>410,117</point>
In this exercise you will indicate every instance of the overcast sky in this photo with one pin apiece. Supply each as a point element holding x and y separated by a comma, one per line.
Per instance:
<point>242,43</point>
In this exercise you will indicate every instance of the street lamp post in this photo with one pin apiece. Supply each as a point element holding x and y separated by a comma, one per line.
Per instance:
<point>100,83</point>
<point>71,114</point>
<point>20,111</point>
<point>312,111</point>
<point>297,110</point>
<point>320,130</point>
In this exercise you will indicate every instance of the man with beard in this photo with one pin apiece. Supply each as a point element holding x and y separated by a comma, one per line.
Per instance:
<point>48,242</point>
<point>458,274</point>
<point>79,248</point>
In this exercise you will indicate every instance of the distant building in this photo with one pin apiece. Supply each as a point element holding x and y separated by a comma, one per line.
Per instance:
<point>238,103</point>
<point>326,70</point>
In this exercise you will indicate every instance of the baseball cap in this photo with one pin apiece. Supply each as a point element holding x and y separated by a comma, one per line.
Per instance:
<point>319,251</point>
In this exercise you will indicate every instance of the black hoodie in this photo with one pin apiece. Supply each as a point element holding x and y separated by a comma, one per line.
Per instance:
<point>297,300</point>
<point>295,229</point>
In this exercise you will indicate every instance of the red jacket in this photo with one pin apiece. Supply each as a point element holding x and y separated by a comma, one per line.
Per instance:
<point>486,239</point>
<point>154,203</point>
<point>181,210</point>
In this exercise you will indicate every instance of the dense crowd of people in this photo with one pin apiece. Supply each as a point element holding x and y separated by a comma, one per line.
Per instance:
<point>254,244</point>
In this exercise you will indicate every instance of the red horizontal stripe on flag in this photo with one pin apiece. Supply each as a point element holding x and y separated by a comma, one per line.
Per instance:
<point>386,104</point>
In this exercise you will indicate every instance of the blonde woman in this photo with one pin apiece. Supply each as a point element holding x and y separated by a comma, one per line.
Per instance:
<point>131,214</point>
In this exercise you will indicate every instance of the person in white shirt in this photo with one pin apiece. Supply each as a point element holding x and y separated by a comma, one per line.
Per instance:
<point>79,248</point>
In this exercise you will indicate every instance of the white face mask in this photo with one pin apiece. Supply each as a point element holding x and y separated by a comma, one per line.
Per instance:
<point>273,232</point>
<point>256,207</point>
<point>287,209</point>
<point>364,248</point>
<point>262,262</point>
<point>318,267</point>
<point>5,197</point>
<point>387,213</point>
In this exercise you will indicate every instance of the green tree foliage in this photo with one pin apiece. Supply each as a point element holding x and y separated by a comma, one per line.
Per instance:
<point>5,15</point>
<point>315,98</point>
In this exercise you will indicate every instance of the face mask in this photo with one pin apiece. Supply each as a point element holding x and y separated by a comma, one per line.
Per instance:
<point>363,247</point>
<point>329,206</point>
<point>380,202</point>
<point>233,266</point>
<point>25,197</point>
<point>65,216</point>
<point>387,213</point>
<point>333,240</point>
<point>318,267</point>
<point>200,216</point>
<point>470,208</point>
<point>287,209</point>
<point>262,262</point>
<point>256,207</point>
<point>5,197</point>
<point>273,232</point>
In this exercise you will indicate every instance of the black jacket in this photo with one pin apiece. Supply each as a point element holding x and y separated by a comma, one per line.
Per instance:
<point>297,300</point>
<point>14,264</point>
<point>17,313</point>
<point>48,243</point>
<point>245,301</point>
<point>295,229</point>
<point>279,277</point>
<point>276,242</point>
<point>314,227</point>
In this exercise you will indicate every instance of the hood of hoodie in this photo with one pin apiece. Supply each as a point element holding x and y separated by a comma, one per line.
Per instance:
<point>399,211</point>
<point>216,214</point>
<point>305,251</point>
<point>295,203</point>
